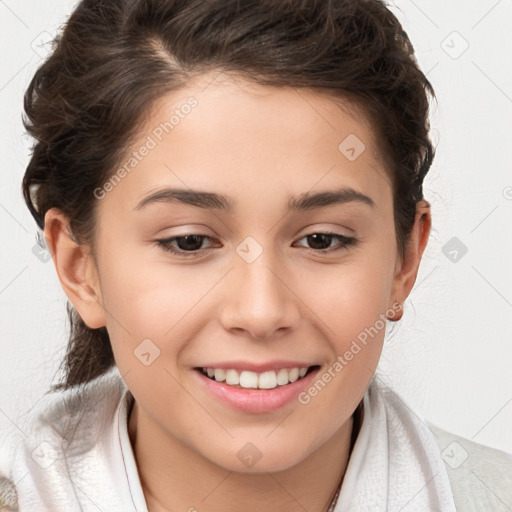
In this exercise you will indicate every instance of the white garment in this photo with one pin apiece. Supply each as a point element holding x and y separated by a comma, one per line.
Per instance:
<point>395,464</point>
<point>75,455</point>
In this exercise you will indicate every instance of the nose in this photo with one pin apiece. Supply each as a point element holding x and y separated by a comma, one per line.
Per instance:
<point>259,300</point>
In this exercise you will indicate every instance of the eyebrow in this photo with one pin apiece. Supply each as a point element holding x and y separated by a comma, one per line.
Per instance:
<point>214,201</point>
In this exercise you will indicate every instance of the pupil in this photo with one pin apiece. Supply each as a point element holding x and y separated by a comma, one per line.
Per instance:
<point>313,240</point>
<point>194,246</point>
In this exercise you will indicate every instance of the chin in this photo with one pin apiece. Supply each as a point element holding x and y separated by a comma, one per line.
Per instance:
<point>258,457</point>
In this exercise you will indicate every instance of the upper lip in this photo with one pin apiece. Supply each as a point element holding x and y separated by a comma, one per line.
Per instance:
<point>256,367</point>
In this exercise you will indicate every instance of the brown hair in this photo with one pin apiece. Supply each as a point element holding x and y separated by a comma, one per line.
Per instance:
<point>114,59</point>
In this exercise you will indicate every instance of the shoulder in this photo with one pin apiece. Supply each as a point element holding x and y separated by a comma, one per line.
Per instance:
<point>38,453</point>
<point>75,415</point>
<point>480,476</point>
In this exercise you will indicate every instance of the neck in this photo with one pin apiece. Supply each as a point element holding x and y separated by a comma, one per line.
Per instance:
<point>176,478</point>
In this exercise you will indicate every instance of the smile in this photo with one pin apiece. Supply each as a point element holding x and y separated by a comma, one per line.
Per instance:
<point>256,388</point>
<point>253,380</point>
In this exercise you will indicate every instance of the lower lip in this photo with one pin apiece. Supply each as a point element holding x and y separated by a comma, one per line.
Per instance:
<point>256,401</point>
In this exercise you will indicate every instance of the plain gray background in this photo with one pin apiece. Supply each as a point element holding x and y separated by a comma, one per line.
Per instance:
<point>450,356</point>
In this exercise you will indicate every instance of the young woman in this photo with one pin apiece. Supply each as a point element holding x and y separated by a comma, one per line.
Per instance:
<point>232,196</point>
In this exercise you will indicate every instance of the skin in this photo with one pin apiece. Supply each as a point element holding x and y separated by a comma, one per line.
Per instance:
<point>258,145</point>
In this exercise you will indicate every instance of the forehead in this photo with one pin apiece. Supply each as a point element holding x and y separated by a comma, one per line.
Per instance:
<point>221,131</point>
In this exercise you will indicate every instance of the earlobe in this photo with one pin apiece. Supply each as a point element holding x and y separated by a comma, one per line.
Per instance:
<point>75,268</point>
<point>407,271</point>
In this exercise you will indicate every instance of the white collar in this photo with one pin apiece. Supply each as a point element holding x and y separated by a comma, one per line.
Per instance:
<point>395,464</point>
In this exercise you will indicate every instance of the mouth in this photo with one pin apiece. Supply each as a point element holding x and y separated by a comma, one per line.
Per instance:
<point>256,389</point>
<point>246,379</point>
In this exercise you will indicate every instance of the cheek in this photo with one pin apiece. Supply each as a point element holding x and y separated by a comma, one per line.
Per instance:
<point>352,306</point>
<point>153,301</point>
<point>146,294</point>
<point>351,302</point>
<point>349,298</point>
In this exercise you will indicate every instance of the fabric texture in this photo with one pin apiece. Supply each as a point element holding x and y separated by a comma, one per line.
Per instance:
<point>395,464</point>
<point>74,454</point>
<point>481,477</point>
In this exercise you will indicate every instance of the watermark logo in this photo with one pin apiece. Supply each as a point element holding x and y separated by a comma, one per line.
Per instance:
<point>249,249</point>
<point>455,455</point>
<point>454,45</point>
<point>41,44</point>
<point>454,249</point>
<point>249,455</point>
<point>507,193</point>
<point>41,253</point>
<point>351,147</point>
<point>44,454</point>
<point>147,352</point>
<point>40,249</point>
<point>343,360</point>
<point>146,147</point>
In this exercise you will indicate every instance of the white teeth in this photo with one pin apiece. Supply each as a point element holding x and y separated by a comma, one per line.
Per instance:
<point>249,379</point>
<point>293,375</point>
<point>220,375</point>
<point>282,377</point>
<point>253,380</point>
<point>232,377</point>
<point>267,380</point>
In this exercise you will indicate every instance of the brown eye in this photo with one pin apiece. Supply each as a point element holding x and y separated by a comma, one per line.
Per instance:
<point>185,245</point>
<point>321,242</point>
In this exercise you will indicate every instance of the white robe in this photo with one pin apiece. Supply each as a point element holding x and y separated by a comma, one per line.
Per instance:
<point>74,454</point>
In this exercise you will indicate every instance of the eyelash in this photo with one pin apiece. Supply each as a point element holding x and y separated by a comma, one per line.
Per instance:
<point>165,244</point>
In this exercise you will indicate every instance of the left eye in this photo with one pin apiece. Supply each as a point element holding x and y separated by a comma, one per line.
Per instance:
<point>320,239</point>
<point>191,245</point>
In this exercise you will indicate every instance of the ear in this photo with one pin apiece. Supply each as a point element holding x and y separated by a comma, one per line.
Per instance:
<point>76,269</point>
<point>407,269</point>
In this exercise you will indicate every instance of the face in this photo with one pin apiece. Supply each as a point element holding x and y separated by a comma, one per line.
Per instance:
<point>291,267</point>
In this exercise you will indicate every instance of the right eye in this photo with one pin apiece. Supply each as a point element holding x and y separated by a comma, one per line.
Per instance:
<point>184,245</point>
